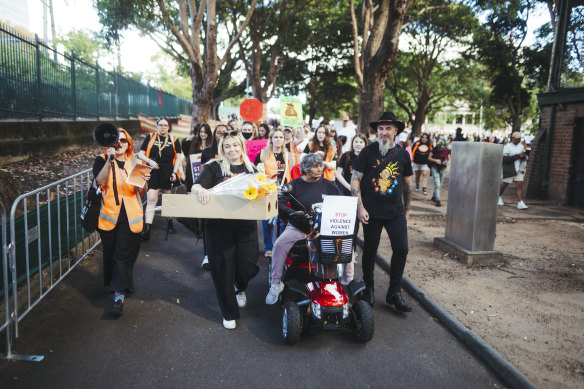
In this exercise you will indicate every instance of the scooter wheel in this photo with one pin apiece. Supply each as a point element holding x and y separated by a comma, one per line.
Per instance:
<point>362,321</point>
<point>291,323</point>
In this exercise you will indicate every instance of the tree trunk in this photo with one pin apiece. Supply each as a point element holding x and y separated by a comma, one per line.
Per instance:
<point>371,99</point>
<point>420,115</point>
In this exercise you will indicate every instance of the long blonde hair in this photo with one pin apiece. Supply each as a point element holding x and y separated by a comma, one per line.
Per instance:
<point>270,145</point>
<point>224,161</point>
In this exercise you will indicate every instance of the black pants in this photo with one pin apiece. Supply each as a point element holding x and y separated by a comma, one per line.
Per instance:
<point>397,230</point>
<point>120,251</point>
<point>233,254</point>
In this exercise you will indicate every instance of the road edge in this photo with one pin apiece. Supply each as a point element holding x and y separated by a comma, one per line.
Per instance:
<point>477,345</point>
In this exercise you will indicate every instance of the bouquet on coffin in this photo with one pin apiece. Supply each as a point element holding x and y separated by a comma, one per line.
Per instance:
<point>247,186</point>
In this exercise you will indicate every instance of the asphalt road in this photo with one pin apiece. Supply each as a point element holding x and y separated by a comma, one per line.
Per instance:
<point>171,337</point>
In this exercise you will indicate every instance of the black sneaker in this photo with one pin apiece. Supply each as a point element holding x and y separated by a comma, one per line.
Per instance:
<point>118,308</point>
<point>171,229</point>
<point>424,192</point>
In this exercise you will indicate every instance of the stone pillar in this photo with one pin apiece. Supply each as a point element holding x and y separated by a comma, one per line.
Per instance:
<point>473,190</point>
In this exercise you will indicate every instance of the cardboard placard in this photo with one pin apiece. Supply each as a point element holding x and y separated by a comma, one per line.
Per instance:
<point>339,214</point>
<point>253,147</point>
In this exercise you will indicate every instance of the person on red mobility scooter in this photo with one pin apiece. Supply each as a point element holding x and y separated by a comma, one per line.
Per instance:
<point>311,291</point>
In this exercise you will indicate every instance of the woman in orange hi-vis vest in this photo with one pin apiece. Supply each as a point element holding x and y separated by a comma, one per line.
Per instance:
<point>321,144</point>
<point>162,152</point>
<point>277,165</point>
<point>120,218</point>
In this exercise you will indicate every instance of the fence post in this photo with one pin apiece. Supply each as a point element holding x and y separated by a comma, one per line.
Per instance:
<point>10,266</point>
<point>97,87</point>
<point>73,88</point>
<point>38,71</point>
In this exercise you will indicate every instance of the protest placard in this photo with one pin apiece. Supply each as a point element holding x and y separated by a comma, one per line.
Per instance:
<point>339,214</point>
<point>253,147</point>
<point>135,175</point>
<point>291,112</point>
<point>195,166</point>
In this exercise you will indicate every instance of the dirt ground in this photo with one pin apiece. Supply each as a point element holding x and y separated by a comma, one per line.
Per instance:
<point>530,308</point>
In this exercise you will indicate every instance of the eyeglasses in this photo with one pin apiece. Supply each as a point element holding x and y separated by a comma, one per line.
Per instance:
<point>123,140</point>
<point>162,125</point>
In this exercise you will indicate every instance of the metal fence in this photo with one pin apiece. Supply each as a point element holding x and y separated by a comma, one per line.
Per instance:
<point>46,243</point>
<point>39,83</point>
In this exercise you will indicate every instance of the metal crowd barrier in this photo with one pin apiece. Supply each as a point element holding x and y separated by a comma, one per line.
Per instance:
<point>46,243</point>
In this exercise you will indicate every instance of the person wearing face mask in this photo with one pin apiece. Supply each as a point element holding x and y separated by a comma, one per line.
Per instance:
<point>249,131</point>
<point>277,164</point>
<point>233,244</point>
<point>162,152</point>
<point>121,217</point>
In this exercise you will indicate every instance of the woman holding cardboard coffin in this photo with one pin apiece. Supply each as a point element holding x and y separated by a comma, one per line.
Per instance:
<point>233,244</point>
<point>162,152</point>
<point>120,219</point>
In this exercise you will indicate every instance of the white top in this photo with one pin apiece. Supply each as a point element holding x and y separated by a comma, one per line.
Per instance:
<point>349,132</point>
<point>511,149</point>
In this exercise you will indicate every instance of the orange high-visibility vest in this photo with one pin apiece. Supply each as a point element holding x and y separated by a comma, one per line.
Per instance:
<point>127,195</point>
<point>327,173</point>
<point>151,143</point>
<point>271,165</point>
<point>295,156</point>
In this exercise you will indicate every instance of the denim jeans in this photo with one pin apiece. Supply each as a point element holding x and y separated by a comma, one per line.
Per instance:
<point>268,228</point>
<point>438,176</point>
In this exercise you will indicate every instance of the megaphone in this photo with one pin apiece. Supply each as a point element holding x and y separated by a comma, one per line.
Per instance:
<point>106,134</point>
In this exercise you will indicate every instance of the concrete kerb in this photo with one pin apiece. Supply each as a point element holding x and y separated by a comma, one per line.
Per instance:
<point>499,365</point>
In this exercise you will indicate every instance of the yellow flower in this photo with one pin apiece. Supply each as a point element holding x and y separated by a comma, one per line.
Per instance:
<point>261,177</point>
<point>262,191</point>
<point>251,193</point>
<point>272,187</point>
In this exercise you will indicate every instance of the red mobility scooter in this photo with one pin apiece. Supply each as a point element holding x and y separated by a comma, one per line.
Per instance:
<point>313,296</point>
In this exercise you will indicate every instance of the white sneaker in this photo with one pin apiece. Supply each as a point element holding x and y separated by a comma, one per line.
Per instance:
<point>268,254</point>
<point>500,203</point>
<point>241,299</point>
<point>205,263</point>
<point>229,324</point>
<point>521,205</point>
<point>275,290</point>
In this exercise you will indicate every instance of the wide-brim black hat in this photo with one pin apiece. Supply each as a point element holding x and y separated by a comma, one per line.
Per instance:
<point>388,118</point>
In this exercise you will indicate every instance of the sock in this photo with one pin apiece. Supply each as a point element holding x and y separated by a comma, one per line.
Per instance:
<point>118,296</point>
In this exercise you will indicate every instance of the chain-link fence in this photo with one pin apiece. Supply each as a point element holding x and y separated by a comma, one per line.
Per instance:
<point>39,83</point>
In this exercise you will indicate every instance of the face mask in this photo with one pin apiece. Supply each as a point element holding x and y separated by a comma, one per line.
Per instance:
<point>247,135</point>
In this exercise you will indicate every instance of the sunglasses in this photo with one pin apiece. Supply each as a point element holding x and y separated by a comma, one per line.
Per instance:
<point>123,140</point>
<point>230,133</point>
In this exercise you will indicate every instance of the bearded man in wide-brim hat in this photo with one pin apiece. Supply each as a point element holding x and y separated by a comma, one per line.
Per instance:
<point>381,180</point>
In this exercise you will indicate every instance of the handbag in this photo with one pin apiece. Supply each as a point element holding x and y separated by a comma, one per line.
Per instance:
<point>91,208</point>
<point>509,169</point>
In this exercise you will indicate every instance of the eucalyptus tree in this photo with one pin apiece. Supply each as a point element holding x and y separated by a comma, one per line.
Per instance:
<point>185,29</point>
<point>430,73</point>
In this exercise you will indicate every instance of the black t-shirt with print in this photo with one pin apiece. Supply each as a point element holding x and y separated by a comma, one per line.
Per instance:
<point>346,163</point>
<point>212,174</point>
<point>208,154</point>
<point>167,154</point>
<point>382,192</point>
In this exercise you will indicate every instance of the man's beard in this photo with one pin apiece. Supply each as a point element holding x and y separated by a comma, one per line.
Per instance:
<point>384,147</point>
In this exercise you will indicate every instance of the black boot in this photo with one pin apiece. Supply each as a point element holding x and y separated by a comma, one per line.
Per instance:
<point>171,229</point>
<point>369,296</point>
<point>145,234</point>
<point>396,299</point>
